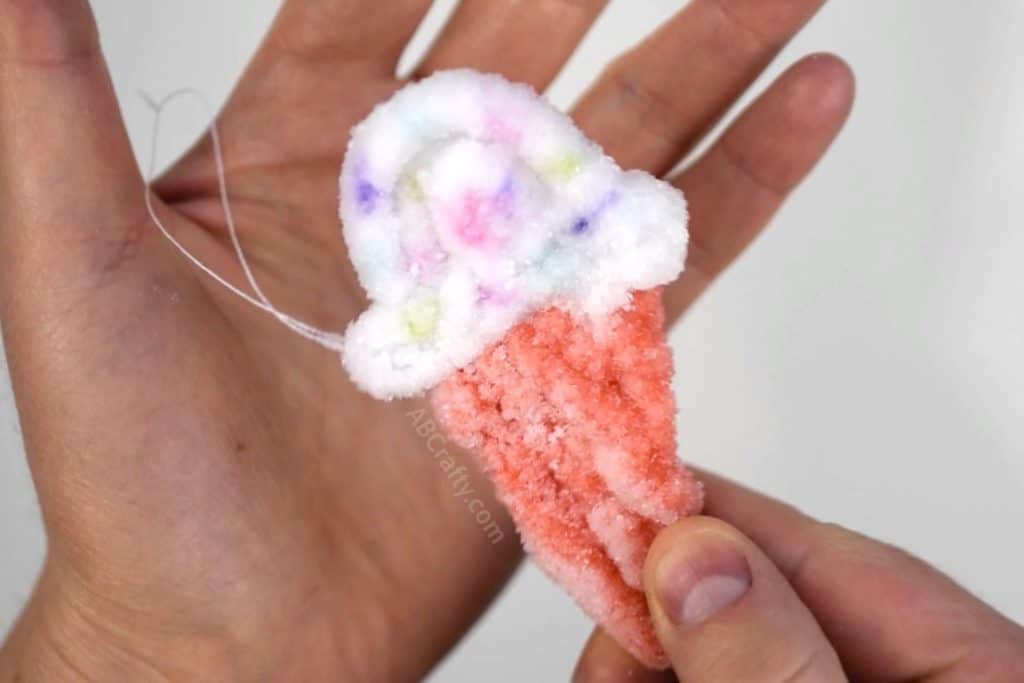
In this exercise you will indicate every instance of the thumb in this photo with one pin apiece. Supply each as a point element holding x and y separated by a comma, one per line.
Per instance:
<point>724,612</point>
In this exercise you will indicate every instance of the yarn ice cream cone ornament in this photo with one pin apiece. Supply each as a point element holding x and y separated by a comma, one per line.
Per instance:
<point>514,271</point>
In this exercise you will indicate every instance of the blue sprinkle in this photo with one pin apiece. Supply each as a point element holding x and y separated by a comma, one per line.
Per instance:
<point>584,223</point>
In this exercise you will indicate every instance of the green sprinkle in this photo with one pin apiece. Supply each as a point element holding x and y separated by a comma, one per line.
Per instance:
<point>562,168</point>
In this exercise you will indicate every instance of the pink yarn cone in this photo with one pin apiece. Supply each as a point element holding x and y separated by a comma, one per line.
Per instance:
<point>574,420</point>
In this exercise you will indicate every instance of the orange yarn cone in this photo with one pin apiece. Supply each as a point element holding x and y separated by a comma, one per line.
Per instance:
<point>574,420</point>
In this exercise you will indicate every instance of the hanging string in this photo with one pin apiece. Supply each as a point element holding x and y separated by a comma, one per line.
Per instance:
<point>329,340</point>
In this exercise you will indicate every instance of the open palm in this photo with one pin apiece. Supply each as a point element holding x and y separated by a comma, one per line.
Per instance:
<point>218,497</point>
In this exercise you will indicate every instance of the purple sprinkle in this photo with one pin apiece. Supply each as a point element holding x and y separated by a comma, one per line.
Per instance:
<point>506,196</point>
<point>366,195</point>
<point>607,201</point>
<point>581,225</point>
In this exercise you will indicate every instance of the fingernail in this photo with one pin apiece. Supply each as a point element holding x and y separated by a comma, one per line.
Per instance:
<point>695,583</point>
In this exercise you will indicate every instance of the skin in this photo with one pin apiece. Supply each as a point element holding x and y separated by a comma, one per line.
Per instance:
<point>824,604</point>
<point>220,502</point>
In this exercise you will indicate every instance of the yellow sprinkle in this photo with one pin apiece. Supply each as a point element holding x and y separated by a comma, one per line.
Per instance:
<point>412,187</point>
<point>421,318</point>
<point>562,168</point>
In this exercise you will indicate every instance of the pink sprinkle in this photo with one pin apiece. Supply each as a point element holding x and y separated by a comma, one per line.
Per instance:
<point>494,295</point>
<point>422,261</point>
<point>501,130</point>
<point>471,219</point>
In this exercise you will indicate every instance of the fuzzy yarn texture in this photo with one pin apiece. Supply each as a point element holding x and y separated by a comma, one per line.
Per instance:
<point>469,202</point>
<point>516,271</point>
<point>574,423</point>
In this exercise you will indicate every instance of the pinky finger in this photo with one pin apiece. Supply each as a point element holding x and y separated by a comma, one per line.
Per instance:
<point>736,187</point>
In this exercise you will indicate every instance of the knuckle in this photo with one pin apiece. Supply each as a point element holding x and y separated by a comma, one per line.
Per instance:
<point>817,663</point>
<point>47,33</point>
<point>821,540</point>
<point>652,108</point>
<point>751,173</point>
<point>738,25</point>
<point>578,5</point>
<point>990,658</point>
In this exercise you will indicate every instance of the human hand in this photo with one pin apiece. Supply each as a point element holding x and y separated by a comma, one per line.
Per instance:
<point>756,591</point>
<point>220,502</point>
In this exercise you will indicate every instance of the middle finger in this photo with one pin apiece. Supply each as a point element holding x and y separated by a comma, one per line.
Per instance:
<point>654,103</point>
<point>524,40</point>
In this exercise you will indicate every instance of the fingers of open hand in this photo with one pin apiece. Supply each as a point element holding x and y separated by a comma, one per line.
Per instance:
<point>373,32</point>
<point>524,40</point>
<point>653,105</point>
<point>655,102</point>
<point>736,187</point>
<point>84,298</point>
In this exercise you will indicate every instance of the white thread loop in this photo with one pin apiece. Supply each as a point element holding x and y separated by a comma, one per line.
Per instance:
<point>329,340</point>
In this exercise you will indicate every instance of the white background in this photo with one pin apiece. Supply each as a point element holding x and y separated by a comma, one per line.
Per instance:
<point>863,360</point>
